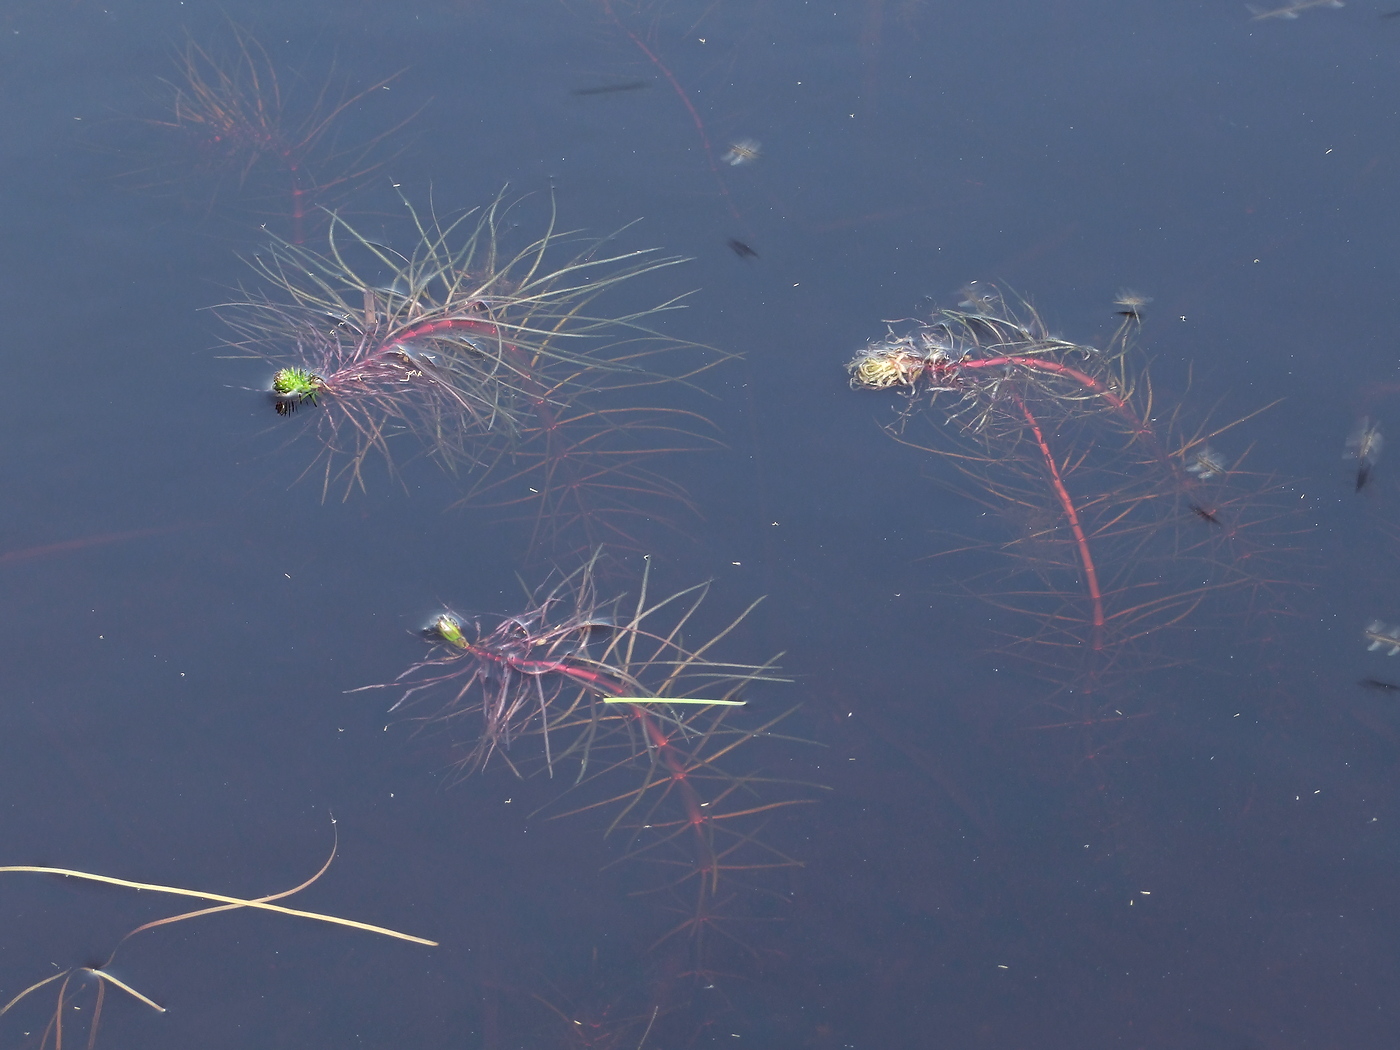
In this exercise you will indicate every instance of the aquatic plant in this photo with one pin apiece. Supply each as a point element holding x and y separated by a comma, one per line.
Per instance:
<point>1123,518</point>
<point>492,359</point>
<point>232,121</point>
<point>610,693</point>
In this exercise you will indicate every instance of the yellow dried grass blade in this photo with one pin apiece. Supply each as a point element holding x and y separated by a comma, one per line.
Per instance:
<point>672,700</point>
<point>32,988</point>
<point>104,975</point>
<point>236,902</point>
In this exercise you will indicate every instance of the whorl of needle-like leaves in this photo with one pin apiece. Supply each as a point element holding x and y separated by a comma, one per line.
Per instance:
<point>1123,519</point>
<point>462,342</point>
<point>979,365</point>
<point>653,727</point>
<point>552,672</point>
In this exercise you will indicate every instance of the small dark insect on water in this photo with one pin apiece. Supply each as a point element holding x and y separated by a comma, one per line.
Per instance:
<point>741,249</point>
<point>1377,684</point>
<point>1364,445</point>
<point>1205,515</point>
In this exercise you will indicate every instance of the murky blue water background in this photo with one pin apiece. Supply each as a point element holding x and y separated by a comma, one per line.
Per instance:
<point>172,705</point>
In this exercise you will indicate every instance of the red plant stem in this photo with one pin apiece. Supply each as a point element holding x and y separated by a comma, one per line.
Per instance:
<point>676,765</point>
<point>672,759</point>
<point>1044,365</point>
<point>598,681</point>
<point>1140,427</point>
<point>1091,573</point>
<point>425,329</point>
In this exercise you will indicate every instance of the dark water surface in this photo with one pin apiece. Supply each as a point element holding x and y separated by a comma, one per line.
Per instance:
<point>1201,850</point>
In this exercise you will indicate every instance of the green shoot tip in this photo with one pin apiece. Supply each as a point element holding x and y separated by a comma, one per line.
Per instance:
<point>447,629</point>
<point>292,386</point>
